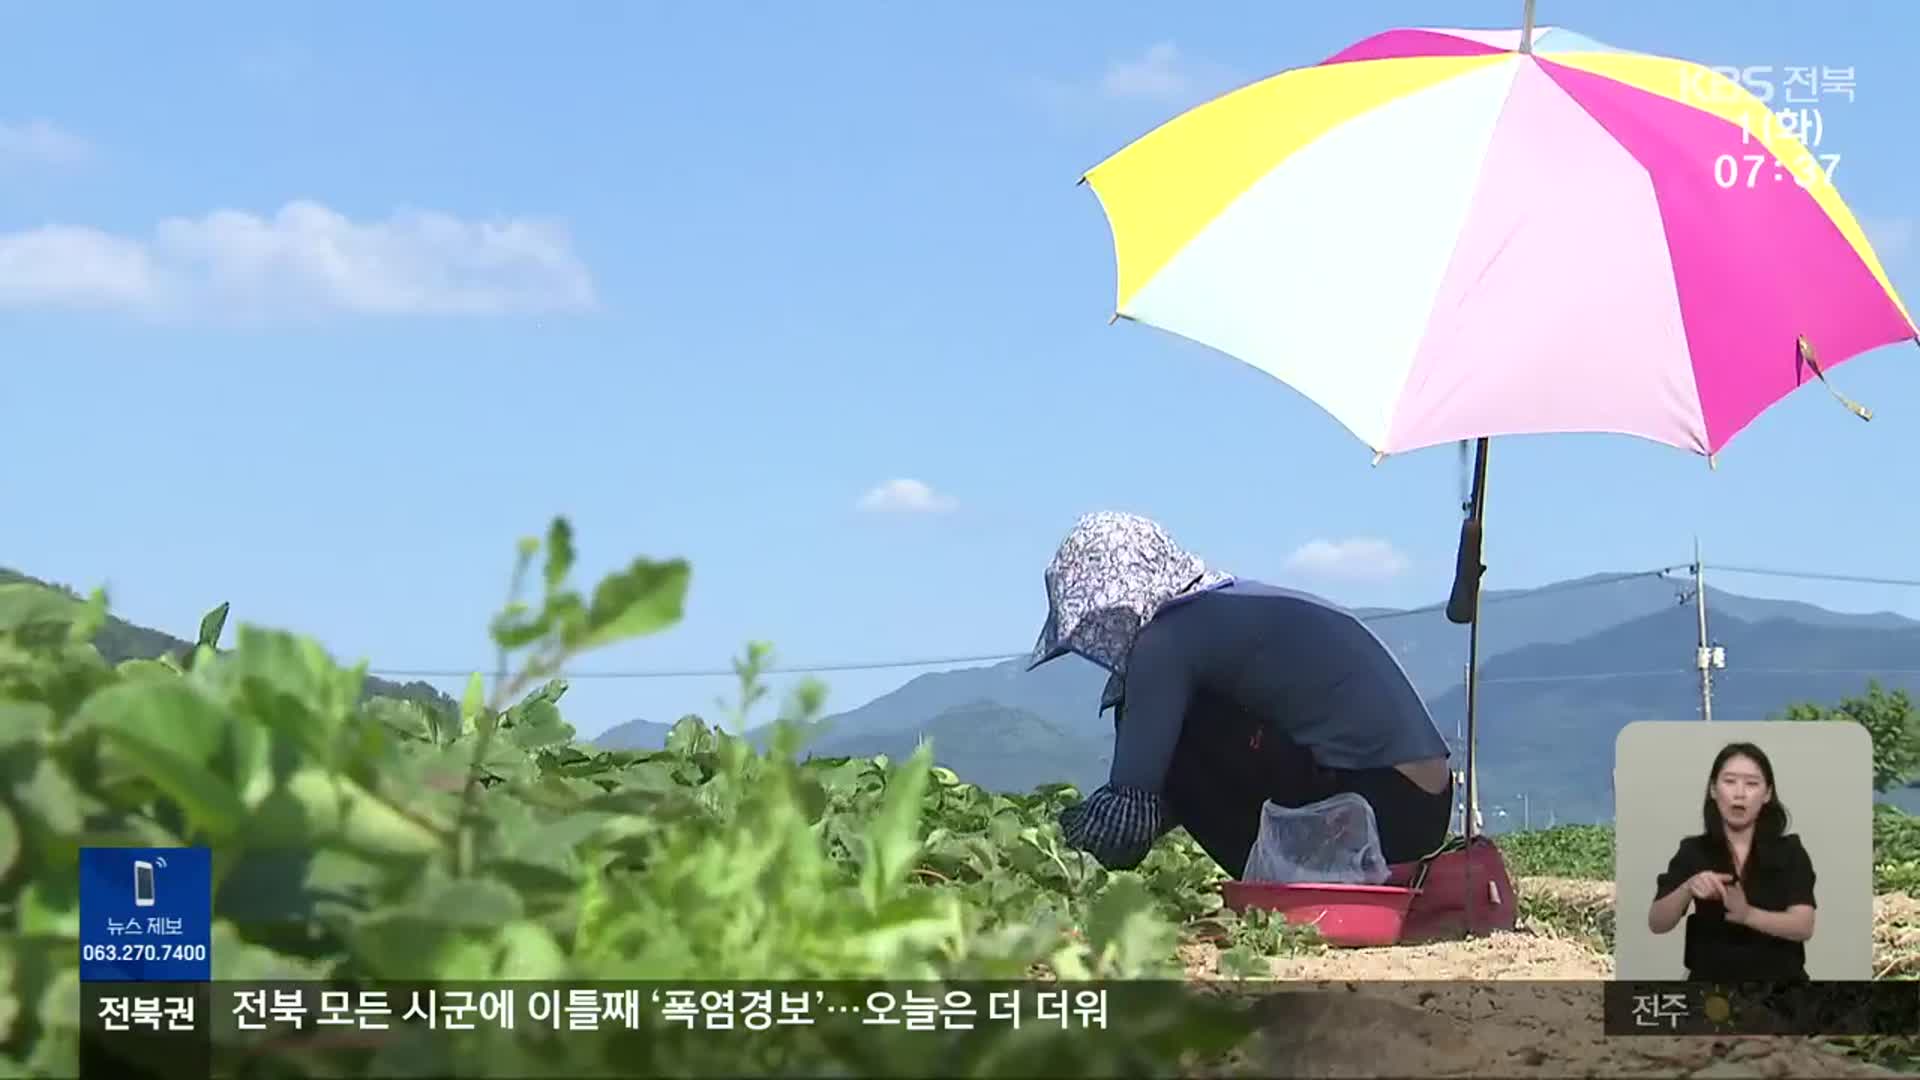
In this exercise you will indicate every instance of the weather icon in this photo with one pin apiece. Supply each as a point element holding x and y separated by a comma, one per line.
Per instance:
<point>1717,1007</point>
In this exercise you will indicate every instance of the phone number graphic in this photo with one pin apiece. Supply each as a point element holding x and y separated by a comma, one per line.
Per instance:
<point>141,952</point>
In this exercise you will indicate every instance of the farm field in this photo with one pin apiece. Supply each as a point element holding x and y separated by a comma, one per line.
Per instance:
<point>376,839</point>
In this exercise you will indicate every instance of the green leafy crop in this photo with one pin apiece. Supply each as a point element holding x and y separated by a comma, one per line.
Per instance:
<point>388,839</point>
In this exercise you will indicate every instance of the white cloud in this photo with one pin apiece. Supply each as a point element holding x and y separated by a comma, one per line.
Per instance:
<point>39,142</point>
<point>1891,237</point>
<point>304,260</point>
<point>64,265</point>
<point>1162,73</point>
<point>1359,557</point>
<point>1163,76</point>
<point>905,496</point>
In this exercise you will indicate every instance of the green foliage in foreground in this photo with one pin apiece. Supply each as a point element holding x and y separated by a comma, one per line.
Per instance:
<point>383,840</point>
<point>1891,722</point>
<point>1571,851</point>
<point>392,840</point>
<point>1586,851</point>
<point>1896,851</point>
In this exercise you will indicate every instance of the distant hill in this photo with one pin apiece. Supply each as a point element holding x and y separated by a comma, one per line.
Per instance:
<point>1434,651</point>
<point>635,735</point>
<point>1018,749</point>
<point>1549,714</point>
<point>1563,669</point>
<point>119,641</point>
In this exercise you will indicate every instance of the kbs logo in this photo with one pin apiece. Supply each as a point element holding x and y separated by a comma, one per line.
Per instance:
<point>1715,85</point>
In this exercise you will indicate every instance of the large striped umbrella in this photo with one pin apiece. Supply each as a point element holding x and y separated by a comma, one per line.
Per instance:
<point>1446,235</point>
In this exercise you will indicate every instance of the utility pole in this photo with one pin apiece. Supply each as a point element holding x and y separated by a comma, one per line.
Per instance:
<point>1707,656</point>
<point>1470,816</point>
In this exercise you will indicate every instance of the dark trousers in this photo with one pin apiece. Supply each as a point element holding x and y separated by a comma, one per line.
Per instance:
<point>1227,765</point>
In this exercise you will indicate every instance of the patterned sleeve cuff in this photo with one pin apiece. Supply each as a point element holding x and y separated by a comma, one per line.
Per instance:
<point>1117,826</point>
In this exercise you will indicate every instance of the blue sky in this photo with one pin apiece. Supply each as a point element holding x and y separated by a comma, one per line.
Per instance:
<point>316,308</point>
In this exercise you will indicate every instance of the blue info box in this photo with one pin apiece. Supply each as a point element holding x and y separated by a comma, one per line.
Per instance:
<point>146,914</point>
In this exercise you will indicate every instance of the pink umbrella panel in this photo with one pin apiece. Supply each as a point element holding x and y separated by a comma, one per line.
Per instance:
<point>1437,238</point>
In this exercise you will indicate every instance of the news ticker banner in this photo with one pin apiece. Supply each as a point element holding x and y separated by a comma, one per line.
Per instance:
<point>232,1029</point>
<point>220,1029</point>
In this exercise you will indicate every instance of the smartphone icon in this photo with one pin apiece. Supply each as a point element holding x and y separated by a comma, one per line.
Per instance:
<point>142,883</point>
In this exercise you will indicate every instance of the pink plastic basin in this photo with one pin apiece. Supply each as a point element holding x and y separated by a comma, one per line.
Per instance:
<point>1350,915</point>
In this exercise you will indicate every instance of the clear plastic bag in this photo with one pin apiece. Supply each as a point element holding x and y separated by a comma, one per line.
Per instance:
<point>1332,842</point>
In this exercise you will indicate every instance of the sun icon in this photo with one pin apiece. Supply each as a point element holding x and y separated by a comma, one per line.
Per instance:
<point>1717,1006</point>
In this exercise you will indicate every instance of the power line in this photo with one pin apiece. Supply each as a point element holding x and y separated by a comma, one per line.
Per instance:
<point>1809,575</point>
<point>1588,676</point>
<point>702,673</point>
<point>1490,598</point>
<point>1663,673</point>
<point>1544,590</point>
<point>988,658</point>
<point>1821,671</point>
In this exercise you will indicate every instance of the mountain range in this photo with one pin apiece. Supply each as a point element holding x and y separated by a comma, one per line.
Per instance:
<point>1562,669</point>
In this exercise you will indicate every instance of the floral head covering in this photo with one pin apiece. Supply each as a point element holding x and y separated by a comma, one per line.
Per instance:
<point>1111,575</point>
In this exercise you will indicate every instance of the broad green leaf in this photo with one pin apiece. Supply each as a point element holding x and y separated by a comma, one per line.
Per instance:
<point>293,684</point>
<point>472,702</point>
<point>515,628</point>
<point>541,726</point>
<point>171,712</point>
<point>37,610</point>
<point>689,735</point>
<point>211,624</point>
<point>312,807</point>
<point>50,909</point>
<point>471,902</point>
<point>209,800</point>
<point>547,693</point>
<point>528,951</point>
<point>237,960</point>
<point>24,722</point>
<point>59,1016</point>
<point>559,837</point>
<point>51,798</point>
<point>1124,931</point>
<point>91,616</point>
<point>645,597</point>
<point>405,945</point>
<point>404,718</point>
<point>146,669</point>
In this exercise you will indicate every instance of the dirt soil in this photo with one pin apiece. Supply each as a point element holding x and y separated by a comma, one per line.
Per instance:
<point>1379,1022</point>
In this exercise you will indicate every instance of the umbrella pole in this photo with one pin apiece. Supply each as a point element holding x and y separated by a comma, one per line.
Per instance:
<point>1464,607</point>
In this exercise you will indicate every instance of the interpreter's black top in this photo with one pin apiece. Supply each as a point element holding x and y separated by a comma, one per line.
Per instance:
<point>1778,876</point>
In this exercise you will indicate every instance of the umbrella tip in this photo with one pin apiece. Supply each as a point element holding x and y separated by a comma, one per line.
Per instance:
<point>1713,462</point>
<point>1113,318</point>
<point>1378,458</point>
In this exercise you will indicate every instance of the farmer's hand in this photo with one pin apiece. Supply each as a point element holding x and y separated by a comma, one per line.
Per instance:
<point>1708,885</point>
<point>1736,900</point>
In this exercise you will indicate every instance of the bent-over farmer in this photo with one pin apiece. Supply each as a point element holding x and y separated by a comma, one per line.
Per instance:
<point>1227,693</point>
